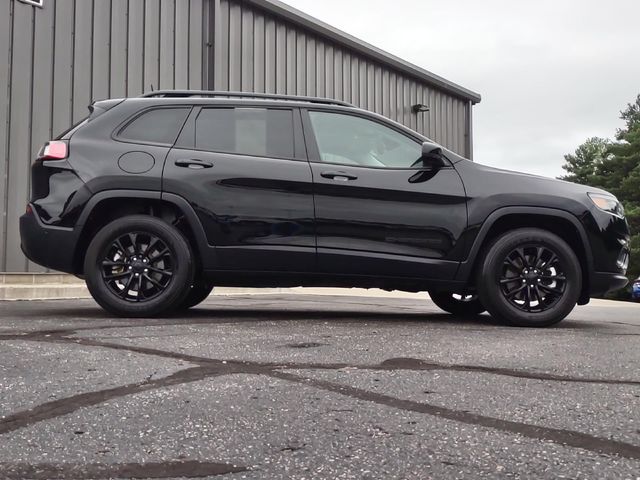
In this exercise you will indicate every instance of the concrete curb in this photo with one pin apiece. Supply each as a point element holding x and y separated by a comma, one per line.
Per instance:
<point>55,286</point>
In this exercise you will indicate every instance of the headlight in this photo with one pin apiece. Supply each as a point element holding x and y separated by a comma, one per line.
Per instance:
<point>607,203</point>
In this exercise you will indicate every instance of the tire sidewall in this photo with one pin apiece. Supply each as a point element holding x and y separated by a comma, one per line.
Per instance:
<point>180,281</point>
<point>446,302</point>
<point>491,270</point>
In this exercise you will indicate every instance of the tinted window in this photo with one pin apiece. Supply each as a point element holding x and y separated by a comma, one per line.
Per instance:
<point>246,131</point>
<point>161,125</point>
<point>350,140</point>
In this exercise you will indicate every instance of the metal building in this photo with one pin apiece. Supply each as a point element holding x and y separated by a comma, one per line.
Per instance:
<point>60,55</point>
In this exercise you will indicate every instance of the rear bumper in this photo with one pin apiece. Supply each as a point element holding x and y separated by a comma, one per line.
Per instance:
<point>51,247</point>
<point>605,282</point>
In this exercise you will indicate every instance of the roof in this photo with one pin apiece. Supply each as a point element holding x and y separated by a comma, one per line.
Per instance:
<point>323,29</point>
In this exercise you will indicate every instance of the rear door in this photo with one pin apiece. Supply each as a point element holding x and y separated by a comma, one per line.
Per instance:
<point>245,172</point>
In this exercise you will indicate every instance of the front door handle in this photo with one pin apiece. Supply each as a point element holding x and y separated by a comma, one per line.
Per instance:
<point>194,163</point>
<point>341,176</point>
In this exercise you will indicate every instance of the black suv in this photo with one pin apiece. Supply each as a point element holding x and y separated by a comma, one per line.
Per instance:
<point>154,200</point>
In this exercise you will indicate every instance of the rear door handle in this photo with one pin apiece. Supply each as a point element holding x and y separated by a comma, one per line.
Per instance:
<point>194,163</point>
<point>340,176</point>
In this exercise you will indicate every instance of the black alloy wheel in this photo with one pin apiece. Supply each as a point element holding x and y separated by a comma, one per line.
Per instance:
<point>139,266</point>
<point>532,278</point>
<point>529,277</point>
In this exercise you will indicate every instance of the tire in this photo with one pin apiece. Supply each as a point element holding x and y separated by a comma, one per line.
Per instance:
<point>461,305</point>
<point>529,278</point>
<point>198,293</point>
<point>139,266</point>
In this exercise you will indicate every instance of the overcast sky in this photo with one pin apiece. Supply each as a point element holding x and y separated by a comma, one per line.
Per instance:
<point>551,72</point>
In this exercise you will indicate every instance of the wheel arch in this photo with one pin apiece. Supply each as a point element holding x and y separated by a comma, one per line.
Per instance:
<point>106,206</point>
<point>560,222</point>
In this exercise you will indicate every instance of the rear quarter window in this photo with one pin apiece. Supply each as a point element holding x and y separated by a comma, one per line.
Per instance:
<point>159,125</point>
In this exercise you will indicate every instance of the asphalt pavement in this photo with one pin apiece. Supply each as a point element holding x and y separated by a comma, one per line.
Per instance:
<point>316,387</point>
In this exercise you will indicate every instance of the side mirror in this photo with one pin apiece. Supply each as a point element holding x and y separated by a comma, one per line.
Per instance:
<point>432,154</point>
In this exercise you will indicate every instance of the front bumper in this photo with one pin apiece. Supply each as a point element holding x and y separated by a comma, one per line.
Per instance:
<point>51,247</point>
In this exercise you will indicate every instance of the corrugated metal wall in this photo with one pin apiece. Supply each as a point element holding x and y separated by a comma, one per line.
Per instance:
<point>56,60</point>
<point>257,51</point>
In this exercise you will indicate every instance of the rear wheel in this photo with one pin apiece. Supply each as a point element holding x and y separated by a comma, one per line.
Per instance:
<point>458,304</point>
<point>529,278</point>
<point>139,266</point>
<point>198,293</point>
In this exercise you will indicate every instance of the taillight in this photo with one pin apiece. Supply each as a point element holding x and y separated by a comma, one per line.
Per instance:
<point>54,150</point>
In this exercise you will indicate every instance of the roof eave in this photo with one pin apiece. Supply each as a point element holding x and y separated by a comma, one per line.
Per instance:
<point>296,16</point>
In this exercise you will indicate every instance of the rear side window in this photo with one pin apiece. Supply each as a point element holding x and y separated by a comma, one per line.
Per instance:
<point>258,132</point>
<point>160,125</point>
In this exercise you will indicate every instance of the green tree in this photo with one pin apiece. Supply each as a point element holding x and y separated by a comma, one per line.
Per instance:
<point>584,165</point>
<point>614,166</point>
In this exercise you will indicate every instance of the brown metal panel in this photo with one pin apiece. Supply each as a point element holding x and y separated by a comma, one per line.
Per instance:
<point>135,58</point>
<point>6,21</point>
<point>167,43</point>
<point>196,44</point>
<point>119,27</point>
<point>182,44</point>
<point>151,45</point>
<point>259,46</point>
<point>82,59</point>
<point>19,132</point>
<point>246,50</point>
<point>100,52</point>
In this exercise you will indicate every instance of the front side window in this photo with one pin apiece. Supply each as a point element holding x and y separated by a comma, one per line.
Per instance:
<point>350,140</point>
<point>258,132</point>
<point>160,125</point>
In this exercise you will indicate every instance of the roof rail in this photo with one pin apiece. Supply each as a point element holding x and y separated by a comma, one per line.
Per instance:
<point>263,96</point>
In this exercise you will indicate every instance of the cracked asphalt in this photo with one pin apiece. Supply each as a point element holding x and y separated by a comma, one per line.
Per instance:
<point>316,387</point>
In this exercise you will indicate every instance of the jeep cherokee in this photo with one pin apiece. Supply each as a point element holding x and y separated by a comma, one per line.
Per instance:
<point>154,200</point>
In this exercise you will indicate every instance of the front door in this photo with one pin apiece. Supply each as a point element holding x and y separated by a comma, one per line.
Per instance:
<point>379,210</point>
<point>245,172</point>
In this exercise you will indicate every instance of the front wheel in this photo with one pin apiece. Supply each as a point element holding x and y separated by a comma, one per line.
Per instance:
<point>139,266</point>
<point>529,278</point>
<point>458,304</point>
